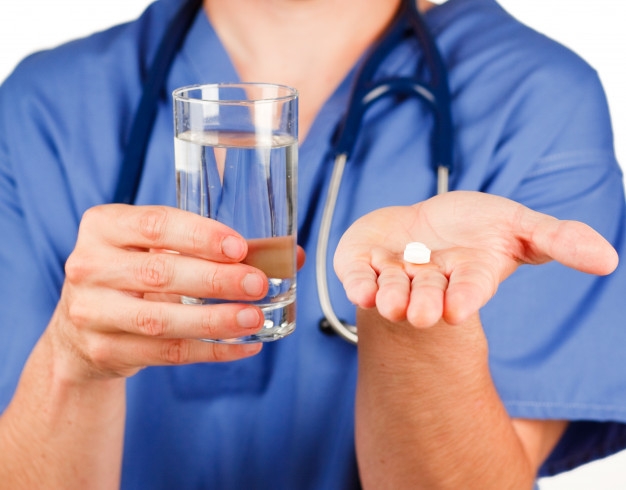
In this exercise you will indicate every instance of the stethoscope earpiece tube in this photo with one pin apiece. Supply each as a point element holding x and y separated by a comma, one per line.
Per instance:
<point>442,142</point>
<point>145,116</point>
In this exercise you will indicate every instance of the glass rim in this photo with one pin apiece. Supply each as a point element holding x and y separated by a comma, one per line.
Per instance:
<point>182,93</point>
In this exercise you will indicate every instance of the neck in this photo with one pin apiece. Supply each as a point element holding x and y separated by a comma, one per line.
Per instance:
<point>307,44</point>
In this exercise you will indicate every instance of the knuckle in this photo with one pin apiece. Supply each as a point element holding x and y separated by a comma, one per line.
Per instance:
<point>78,267</point>
<point>198,237</point>
<point>150,322</point>
<point>97,352</point>
<point>153,223</point>
<point>218,354</point>
<point>223,353</point>
<point>79,315</point>
<point>93,218</point>
<point>176,351</point>
<point>212,282</point>
<point>207,324</point>
<point>100,353</point>
<point>93,214</point>
<point>155,271</point>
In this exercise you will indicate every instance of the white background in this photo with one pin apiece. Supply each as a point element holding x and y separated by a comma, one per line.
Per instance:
<point>591,28</point>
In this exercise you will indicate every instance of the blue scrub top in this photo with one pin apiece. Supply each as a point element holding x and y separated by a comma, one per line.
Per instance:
<point>531,124</point>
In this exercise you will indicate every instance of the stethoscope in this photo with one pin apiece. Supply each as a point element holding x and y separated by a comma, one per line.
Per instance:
<point>435,94</point>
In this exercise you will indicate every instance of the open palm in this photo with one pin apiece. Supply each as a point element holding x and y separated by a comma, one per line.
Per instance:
<point>477,240</point>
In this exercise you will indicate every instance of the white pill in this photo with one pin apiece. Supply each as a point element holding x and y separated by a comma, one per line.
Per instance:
<point>417,253</point>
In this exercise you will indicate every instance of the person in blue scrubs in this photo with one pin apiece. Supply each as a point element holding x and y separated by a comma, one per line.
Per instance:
<point>454,384</point>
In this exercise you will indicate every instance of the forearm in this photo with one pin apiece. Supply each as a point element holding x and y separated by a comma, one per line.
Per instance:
<point>428,415</point>
<point>59,432</point>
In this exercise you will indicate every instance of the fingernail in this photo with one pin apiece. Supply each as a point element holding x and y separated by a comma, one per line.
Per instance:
<point>253,284</point>
<point>249,318</point>
<point>233,247</point>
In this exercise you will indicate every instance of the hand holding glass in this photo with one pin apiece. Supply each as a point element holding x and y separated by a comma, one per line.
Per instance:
<point>236,162</point>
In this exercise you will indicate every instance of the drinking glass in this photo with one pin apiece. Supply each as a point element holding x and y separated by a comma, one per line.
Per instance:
<point>236,154</point>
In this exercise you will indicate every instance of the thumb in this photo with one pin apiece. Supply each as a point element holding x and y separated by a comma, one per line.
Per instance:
<point>572,243</point>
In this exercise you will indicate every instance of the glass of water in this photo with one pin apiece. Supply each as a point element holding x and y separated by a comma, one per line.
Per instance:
<point>236,155</point>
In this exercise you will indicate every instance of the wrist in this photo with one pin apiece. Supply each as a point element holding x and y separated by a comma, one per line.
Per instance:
<point>453,347</point>
<point>70,362</point>
<point>424,399</point>
<point>67,378</point>
<point>62,428</point>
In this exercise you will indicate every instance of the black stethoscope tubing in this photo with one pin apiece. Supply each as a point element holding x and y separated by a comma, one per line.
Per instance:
<point>152,91</point>
<point>436,94</point>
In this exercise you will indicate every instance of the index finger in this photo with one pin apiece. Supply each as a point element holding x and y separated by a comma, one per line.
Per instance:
<point>162,227</point>
<point>358,277</point>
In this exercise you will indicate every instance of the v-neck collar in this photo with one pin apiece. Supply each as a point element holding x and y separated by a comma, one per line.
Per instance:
<point>204,59</point>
